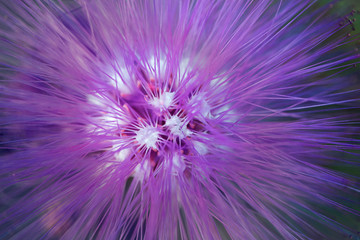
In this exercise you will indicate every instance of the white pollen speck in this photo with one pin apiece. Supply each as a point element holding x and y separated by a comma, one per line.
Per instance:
<point>164,101</point>
<point>177,127</point>
<point>147,136</point>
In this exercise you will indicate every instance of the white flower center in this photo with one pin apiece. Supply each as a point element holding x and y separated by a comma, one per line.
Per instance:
<point>177,127</point>
<point>147,136</point>
<point>164,101</point>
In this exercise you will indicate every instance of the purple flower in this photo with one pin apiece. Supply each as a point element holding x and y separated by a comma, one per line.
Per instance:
<point>177,120</point>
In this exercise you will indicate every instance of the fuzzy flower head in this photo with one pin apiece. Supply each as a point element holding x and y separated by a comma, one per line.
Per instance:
<point>175,120</point>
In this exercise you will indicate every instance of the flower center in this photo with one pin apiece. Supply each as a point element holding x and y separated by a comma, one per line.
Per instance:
<point>158,120</point>
<point>147,137</point>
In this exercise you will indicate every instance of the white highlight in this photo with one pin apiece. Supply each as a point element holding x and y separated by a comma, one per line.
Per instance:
<point>184,68</point>
<point>121,155</point>
<point>218,85</point>
<point>122,80</point>
<point>142,170</point>
<point>177,127</point>
<point>109,118</point>
<point>200,147</point>
<point>156,66</point>
<point>147,136</point>
<point>200,106</point>
<point>178,164</point>
<point>226,114</point>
